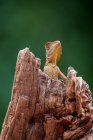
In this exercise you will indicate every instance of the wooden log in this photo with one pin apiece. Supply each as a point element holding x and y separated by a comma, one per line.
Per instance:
<point>46,109</point>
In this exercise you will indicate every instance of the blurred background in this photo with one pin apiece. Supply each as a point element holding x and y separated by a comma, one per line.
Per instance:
<point>27,23</point>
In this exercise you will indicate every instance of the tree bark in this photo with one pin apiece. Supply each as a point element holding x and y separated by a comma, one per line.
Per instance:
<point>46,109</point>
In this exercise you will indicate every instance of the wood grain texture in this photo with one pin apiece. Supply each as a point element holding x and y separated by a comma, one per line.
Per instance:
<point>46,109</point>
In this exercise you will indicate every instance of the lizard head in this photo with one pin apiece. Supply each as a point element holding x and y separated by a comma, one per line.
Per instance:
<point>53,52</point>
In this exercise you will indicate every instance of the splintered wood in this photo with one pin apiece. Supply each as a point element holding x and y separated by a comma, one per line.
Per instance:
<point>46,109</point>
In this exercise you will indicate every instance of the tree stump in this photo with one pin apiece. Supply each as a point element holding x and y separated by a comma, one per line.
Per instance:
<point>46,109</point>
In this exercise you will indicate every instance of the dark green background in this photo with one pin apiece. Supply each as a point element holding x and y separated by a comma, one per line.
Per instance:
<point>27,23</point>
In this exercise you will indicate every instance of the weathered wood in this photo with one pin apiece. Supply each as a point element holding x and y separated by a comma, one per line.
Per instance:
<point>46,109</point>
